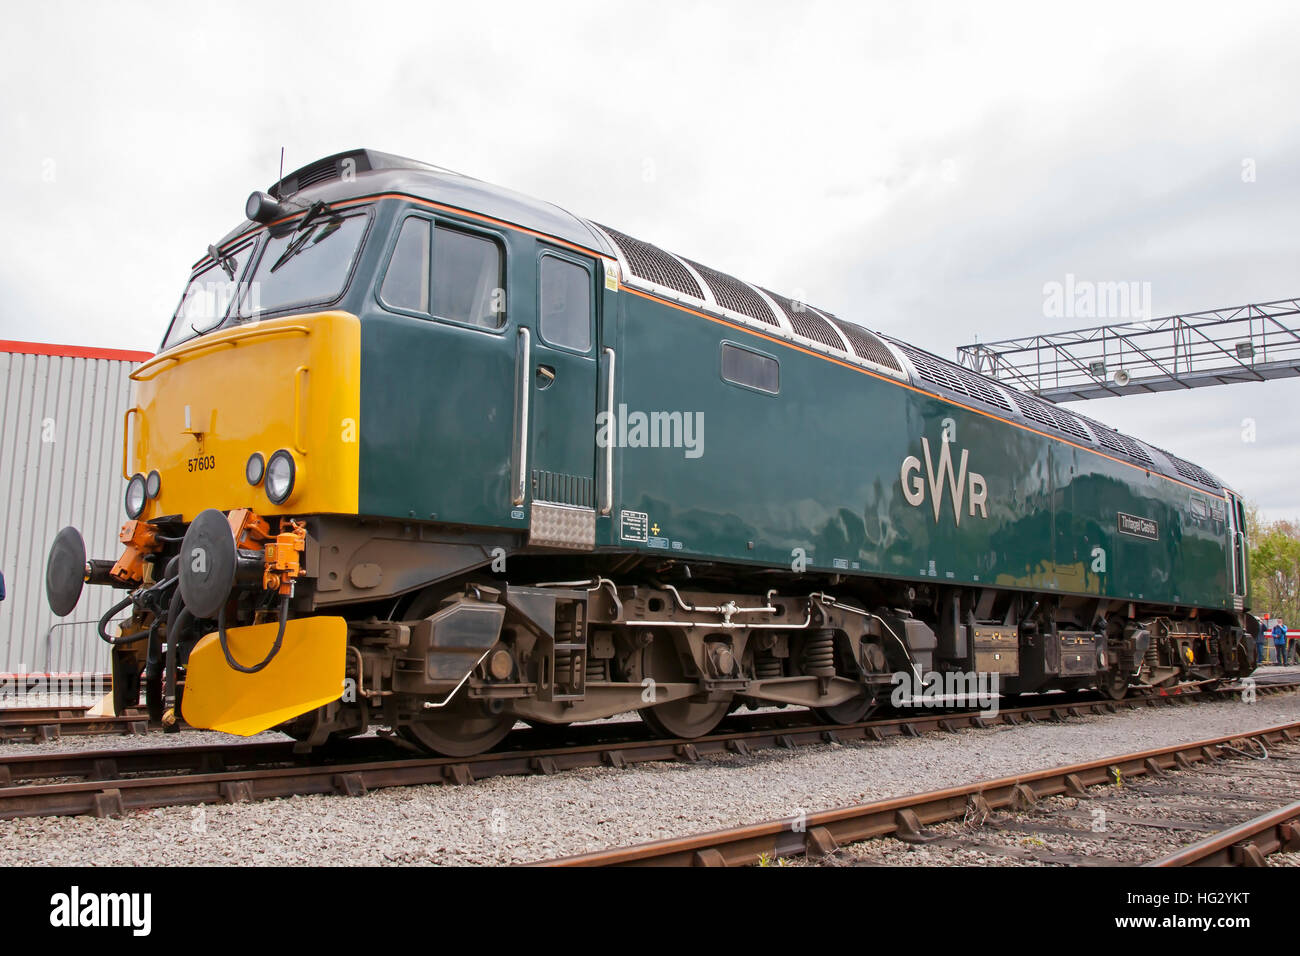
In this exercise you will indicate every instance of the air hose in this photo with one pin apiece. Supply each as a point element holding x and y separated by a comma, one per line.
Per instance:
<point>275,648</point>
<point>138,598</point>
<point>178,619</point>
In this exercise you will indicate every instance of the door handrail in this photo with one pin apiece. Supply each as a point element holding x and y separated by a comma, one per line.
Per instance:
<point>607,501</point>
<point>525,361</point>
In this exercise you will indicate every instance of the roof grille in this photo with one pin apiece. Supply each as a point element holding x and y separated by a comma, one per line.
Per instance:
<point>807,322</point>
<point>1135,450</point>
<point>731,293</point>
<point>1192,472</point>
<point>317,173</point>
<point>1109,439</point>
<point>1119,443</point>
<point>1045,413</point>
<point>354,161</point>
<point>653,264</point>
<point>949,375</point>
<point>865,344</point>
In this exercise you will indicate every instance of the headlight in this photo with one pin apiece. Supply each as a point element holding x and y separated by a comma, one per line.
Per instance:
<point>153,484</point>
<point>135,496</point>
<point>255,468</point>
<point>280,472</point>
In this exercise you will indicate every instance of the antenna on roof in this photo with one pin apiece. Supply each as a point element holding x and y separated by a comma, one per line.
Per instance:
<point>281,164</point>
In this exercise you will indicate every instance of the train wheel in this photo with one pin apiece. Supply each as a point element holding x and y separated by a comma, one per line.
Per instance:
<point>685,718</point>
<point>1114,685</point>
<point>849,712</point>
<point>461,729</point>
<point>543,725</point>
<point>306,726</point>
<point>658,661</point>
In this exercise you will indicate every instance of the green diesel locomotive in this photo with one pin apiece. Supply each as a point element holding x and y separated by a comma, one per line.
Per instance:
<point>421,452</point>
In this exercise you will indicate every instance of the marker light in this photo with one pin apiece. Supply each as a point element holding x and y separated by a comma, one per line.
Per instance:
<point>255,468</point>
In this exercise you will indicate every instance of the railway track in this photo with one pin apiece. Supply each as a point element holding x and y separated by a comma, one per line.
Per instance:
<point>43,724</point>
<point>109,782</point>
<point>1030,809</point>
<point>1246,844</point>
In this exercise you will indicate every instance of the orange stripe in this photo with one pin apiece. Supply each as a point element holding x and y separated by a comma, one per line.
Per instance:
<point>911,388</point>
<point>73,351</point>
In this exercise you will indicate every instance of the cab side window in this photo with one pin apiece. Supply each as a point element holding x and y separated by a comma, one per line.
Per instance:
<point>406,284</point>
<point>445,273</point>
<point>565,303</point>
<point>467,279</point>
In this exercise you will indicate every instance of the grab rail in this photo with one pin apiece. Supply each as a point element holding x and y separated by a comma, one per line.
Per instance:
<point>607,503</point>
<point>158,363</point>
<point>297,409</point>
<point>525,361</point>
<point>126,433</point>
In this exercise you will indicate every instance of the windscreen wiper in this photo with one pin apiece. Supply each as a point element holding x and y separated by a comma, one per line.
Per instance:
<point>298,242</point>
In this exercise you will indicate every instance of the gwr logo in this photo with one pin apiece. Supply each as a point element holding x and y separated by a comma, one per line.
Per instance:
<point>960,483</point>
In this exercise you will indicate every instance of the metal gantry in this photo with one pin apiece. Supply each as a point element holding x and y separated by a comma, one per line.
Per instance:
<point>1244,343</point>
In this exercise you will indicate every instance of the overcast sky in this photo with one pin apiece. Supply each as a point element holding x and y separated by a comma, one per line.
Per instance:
<point>920,169</point>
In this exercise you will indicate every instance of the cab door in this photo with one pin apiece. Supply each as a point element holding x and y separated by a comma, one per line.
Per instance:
<point>1237,551</point>
<point>564,364</point>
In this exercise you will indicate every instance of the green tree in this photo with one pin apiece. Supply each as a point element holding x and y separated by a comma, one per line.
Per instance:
<point>1274,567</point>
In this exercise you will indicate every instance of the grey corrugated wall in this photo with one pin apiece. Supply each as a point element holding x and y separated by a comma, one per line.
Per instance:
<point>60,464</point>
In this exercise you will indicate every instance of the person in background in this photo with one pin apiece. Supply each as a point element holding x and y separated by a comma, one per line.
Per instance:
<point>1261,644</point>
<point>1285,641</point>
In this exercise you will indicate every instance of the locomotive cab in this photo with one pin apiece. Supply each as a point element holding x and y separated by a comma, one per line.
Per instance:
<point>255,463</point>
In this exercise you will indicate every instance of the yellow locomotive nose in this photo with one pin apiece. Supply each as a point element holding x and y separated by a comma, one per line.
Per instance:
<point>258,419</point>
<point>284,393</point>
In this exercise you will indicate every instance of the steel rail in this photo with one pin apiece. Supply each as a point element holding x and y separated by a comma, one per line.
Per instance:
<point>903,817</point>
<point>1243,845</point>
<point>49,712</point>
<point>242,772</point>
<point>42,724</point>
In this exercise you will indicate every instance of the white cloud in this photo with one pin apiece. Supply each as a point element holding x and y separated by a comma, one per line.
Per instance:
<point>919,168</point>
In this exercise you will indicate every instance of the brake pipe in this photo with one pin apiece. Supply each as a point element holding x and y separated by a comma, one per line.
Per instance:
<point>275,648</point>
<point>137,598</point>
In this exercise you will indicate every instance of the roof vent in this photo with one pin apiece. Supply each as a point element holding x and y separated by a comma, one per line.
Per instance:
<point>731,293</point>
<point>938,371</point>
<point>339,165</point>
<point>807,321</point>
<point>1045,413</point>
<point>865,344</point>
<point>653,264</point>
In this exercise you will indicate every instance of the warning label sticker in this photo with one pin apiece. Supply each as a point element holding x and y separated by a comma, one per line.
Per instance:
<point>635,526</point>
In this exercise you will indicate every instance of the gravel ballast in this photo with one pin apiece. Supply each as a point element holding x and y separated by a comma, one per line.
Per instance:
<point>518,819</point>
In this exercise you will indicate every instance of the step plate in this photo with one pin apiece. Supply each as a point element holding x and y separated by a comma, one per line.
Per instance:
<point>562,526</point>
